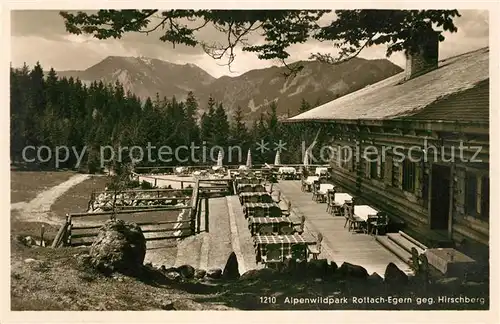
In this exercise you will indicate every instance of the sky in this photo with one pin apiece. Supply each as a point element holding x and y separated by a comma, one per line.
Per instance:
<point>40,35</point>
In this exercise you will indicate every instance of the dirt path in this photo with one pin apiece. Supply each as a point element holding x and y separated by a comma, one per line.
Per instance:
<point>38,209</point>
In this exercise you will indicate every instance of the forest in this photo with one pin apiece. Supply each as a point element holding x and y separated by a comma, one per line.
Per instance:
<point>48,111</point>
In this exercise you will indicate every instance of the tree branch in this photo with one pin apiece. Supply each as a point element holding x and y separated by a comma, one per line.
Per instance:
<point>327,58</point>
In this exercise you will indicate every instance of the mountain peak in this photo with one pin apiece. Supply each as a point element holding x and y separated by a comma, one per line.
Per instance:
<point>317,83</point>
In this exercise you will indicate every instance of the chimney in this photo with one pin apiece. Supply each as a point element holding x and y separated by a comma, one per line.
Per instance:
<point>424,56</point>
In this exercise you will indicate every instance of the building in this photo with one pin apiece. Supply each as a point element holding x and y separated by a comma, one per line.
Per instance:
<point>427,114</point>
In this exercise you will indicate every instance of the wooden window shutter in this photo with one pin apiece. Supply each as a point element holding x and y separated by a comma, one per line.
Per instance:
<point>388,170</point>
<point>367,168</point>
<point>418,179</point>
<point>397,174</point>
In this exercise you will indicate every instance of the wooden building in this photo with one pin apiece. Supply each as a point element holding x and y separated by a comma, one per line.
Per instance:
<point>426,114</point>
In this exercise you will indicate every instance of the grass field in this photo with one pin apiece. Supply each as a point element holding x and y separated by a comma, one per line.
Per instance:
<point>75,200</point>
<point>26,185</point>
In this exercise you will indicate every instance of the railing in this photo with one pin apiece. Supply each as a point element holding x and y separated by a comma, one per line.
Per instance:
<point>171,169</point>
<point>71,231</point>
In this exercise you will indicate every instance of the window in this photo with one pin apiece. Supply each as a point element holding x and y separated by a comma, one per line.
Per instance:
<point>477,191</point>
<point>485,197</point>
<point>408,176</point>
<point>376,168</point>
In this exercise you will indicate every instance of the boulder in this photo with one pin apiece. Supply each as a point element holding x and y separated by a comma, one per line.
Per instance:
<point>395,276</point>
<point>289,266</point>
<point>214,273</point>
<point>301,268</point>
<point>186,271</point>
<point>333,267</point>
<point>29,241</point>
<point>199,273</point>
<point>353,271</point>
<point>318,268</point>
<point>167,305</point>
<point>262,274</point>
<point>375,279</point>
<point>173,276</point>
<point>83,259</point>
<point>119,247</point>
<point>231,269</point>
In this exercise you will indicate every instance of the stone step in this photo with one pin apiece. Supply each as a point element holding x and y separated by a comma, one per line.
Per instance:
<point>403,242</point>
<point>394,248</point>
<point>413,240</point>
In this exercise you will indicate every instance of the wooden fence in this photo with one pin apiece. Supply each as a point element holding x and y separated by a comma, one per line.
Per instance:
<point>74,234</point>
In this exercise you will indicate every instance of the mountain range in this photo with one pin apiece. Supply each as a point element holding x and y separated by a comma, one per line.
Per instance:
<point>317,82</point>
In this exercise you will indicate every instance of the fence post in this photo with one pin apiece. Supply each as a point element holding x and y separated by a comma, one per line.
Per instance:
<point>198,215</point>
<point>69,230</point>
<point>206,215</point>
<point>182,184</point>
<point>156,181</point>
<point>41,235</point>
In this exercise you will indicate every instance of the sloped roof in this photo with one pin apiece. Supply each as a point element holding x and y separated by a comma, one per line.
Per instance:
<point>395,98</point>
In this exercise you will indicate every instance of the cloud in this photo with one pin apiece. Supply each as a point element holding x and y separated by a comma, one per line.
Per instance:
<point>40,35</point>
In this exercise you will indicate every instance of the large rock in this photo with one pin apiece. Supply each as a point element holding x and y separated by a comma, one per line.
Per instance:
<point>214,273</point>
<point>318,268</point>
<point>186,271</point>
<point>353,271</point>
<point>262,274</point>
<point>120,246</point>
<point>333,267</point>
<point>375,279</point>
<point>231,269</point>
<point>289,266</point>
<point>200,273</point>
<point>394,276</point>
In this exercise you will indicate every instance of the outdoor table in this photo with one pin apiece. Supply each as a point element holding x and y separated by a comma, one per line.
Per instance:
<point>249,208</point>
<point>324,187</point>
<point>309,180</point>
<point>285,241</point>
<point>341,197</point>
<point>255,222</point>
<point>246,196</point>
<point>365,212</point>
<point>321,170</point>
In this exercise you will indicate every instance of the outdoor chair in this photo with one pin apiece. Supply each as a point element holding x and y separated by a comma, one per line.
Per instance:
<point>330,201</point>
<point>259,212</point>
<point>315,188</point>
<point>259,188</point>
<point>266,199</point>
<point>288,210</point>
<point>246,188</point>
<point>346,213</point>
<point>315,250</point>
<point>379,224</point>
<point>274,211</point>
<point>266,229</point>
<point>300,229</point>
<point>273,256</point>
<point>253,199</point>
<point>297,252</point>
<point>303,184</point>
<point>286,230</point>
<point>352,222</point>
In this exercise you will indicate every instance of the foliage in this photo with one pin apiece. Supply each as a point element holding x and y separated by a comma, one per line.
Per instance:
<point>348,30</point>
<point>52,111</point>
